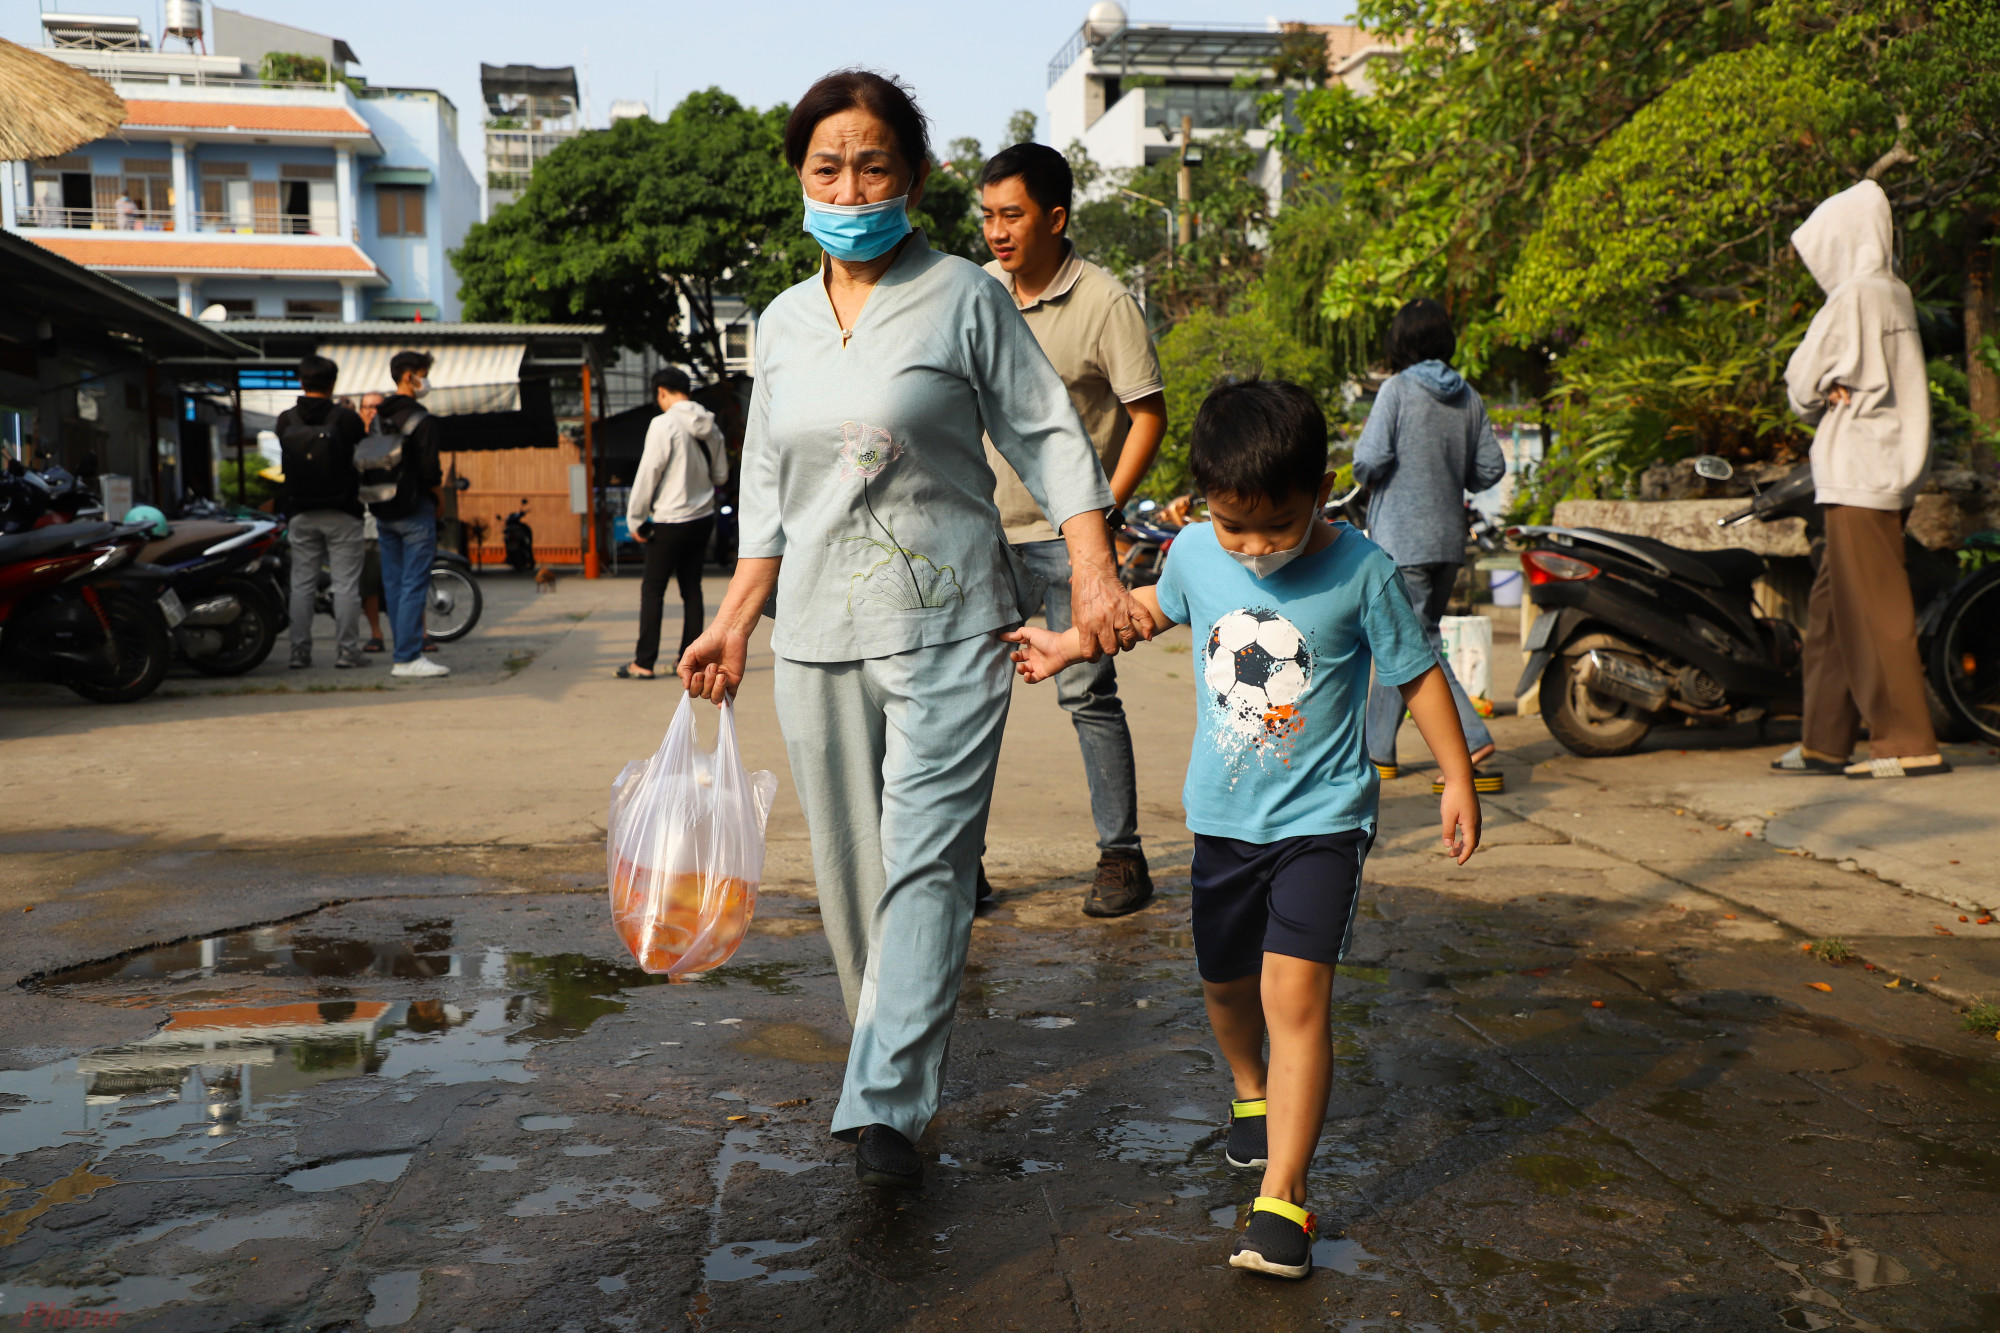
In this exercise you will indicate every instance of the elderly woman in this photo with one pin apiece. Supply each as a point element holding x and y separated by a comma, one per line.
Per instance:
<point>868,509</point>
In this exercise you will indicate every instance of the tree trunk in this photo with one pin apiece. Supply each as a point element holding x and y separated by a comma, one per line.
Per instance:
<point>1981,321</point>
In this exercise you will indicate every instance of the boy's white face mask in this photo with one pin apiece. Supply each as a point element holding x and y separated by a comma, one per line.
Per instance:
<point>1263,566</point>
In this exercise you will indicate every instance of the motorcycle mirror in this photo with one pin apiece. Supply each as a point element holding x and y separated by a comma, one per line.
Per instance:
<point>1148,506</point>
<point>1713,468</point>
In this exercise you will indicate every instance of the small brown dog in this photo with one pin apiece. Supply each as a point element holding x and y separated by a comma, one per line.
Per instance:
<point>545,579</point>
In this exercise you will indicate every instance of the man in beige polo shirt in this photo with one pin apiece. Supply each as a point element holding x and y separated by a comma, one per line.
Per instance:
<point>1095,334</point>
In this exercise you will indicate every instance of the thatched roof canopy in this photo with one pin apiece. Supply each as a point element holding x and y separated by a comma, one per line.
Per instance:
<point>51,107</point>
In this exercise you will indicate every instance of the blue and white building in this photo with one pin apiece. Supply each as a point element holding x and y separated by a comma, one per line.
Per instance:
<point>235,190</point>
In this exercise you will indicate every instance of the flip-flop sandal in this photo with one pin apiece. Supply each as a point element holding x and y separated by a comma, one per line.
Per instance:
<point>1486,784</point>
<point>1796,760</point>
<point>1893,768</point>
<point>627,673</point>
<point>372,646</point>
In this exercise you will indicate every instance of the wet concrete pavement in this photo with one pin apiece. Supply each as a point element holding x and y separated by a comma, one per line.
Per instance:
<point>1571,1094</point>
<point>257,1072</point>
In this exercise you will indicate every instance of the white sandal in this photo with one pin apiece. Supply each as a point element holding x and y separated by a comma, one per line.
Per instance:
<point>1895,768</point>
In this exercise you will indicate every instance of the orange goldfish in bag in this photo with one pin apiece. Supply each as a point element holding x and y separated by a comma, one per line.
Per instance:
<point>685,849</point>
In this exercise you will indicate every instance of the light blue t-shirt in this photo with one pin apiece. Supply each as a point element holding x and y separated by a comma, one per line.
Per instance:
<point>1280,746</point>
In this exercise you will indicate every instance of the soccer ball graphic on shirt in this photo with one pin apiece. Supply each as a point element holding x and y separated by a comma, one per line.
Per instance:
<point>1258,665</point>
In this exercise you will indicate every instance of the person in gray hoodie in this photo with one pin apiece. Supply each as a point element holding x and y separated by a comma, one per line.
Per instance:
<point>1859,377</point>
<point>1427,443</point>
<point>672,512</point>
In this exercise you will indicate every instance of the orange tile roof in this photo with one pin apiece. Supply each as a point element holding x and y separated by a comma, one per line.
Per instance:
<point>144,113</point>
<point>207,256</point>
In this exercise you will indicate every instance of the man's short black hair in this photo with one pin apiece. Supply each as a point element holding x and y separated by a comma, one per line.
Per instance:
<point>317,374</point>
<point>1421,331</point>
<point>402,363</point>
<point>1259,438</point>
<point>673,379</point>
<point>1044,174</point>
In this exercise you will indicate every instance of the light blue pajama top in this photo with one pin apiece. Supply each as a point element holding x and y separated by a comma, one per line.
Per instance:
<point>865,466</point>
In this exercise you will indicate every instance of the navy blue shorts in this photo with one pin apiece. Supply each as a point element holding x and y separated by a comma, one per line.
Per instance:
<point>1295,896</point>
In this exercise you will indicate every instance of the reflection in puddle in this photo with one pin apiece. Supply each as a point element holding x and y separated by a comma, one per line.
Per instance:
<point>186,1089</point>
<point>744,1259</point>
<point>348,1171</point>
<point>791,1041</point>
<point>296,1219</point>
<point>1150,1141</point>
<point>532,1122</point>
<point>998,1166</point>
<point>395,1298</point>
<point>1345,1256</point>
<point>574,1196</point>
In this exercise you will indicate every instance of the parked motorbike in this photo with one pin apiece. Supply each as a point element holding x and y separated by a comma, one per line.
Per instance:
<point>517,539</point>
<point>1635,632</point>
<point>31,499</point>
<point>452,606</point>
<point>226,575</point>
<point>76,609</point>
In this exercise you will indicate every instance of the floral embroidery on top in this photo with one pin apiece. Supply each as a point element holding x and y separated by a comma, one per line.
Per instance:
<point>865,450</point>
<point>903,579</point>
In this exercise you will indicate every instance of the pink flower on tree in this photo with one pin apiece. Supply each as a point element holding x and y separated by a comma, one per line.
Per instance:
<point>865,450</point>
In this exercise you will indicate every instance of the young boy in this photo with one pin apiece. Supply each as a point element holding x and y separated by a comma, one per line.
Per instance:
<point>1288,612</point>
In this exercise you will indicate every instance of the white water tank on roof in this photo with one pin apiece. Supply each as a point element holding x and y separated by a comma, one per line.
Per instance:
<point>1106,17</point>
<point>183,20</point>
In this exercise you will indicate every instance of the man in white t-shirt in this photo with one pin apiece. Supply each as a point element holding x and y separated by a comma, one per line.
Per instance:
<point>672,512</point>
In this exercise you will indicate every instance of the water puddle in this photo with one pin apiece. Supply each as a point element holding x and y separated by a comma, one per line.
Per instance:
<point>1553,1173</point>
<point>348,1171</point>
<point>396,1296</point>
<point>1011,1167</point>
<point>296,1219</point>
<point>538,1122</point>
<point>575,1196</point>
<point>258,1018</point>
<point>80,1183</point>
<point>611,1285</point>
<point>745,1259</point>
<point>1152,1141</point>
<point>68,1307</point>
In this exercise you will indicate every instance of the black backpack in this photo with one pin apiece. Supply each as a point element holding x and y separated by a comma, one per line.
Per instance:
<point>311,465</point>
<point>379,457</point>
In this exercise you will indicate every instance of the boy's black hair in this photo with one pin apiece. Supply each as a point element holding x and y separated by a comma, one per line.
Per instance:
<point>1258,438</point>
<point>1421,331</point>
<point>317,374</point>
<point>673,379</point>
<point>1044,174</point>
<point>402,363</point>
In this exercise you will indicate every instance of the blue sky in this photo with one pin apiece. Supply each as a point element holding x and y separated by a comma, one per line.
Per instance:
<point>972,65</point>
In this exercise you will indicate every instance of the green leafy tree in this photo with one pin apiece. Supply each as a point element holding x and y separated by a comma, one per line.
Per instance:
<point>1021,127</point>
<point>625,225</point>
<point>1210,348</point>
<point>1450,159</point>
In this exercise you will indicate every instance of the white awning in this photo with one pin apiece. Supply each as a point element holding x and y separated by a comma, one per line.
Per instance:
<point>465,377</point>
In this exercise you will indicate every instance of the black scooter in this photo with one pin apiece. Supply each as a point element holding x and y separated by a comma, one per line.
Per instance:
<point>1635,632</point>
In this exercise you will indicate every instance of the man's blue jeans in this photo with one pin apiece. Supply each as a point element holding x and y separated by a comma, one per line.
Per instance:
<point>408,545</point>
<point>1429,588</point>
<point>1089,691</point>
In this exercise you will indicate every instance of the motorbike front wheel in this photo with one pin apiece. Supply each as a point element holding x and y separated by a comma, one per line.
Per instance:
<point>1965,654</point>
<point>141,651</point>
<point>452,604</point>
<point>1584,723</point>
<point>246,640</point>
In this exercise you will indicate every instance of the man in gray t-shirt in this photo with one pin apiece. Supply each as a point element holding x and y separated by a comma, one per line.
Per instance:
<point>1095,335</point>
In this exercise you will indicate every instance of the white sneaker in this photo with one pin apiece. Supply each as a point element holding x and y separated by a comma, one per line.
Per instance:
<point>422,668</point>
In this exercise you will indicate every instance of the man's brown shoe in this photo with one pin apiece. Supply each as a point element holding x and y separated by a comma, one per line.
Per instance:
<point>1123,885</point>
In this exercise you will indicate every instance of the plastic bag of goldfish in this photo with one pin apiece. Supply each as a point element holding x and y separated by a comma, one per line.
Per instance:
<point>685,849</point>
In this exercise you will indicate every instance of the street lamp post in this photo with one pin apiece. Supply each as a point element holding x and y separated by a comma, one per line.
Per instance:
<point>1164,207</point>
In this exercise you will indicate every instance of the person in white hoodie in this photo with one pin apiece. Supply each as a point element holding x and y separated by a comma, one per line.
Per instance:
<point>672,511</point>
<point>1859,376</point>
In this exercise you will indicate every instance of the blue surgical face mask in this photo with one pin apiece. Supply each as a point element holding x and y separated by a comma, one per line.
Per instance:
<point>858,233</point>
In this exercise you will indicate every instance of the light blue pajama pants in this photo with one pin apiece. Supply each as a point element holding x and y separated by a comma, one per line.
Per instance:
<point>894,760</point>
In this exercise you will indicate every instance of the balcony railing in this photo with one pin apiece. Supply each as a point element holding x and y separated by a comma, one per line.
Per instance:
<point>97,219</point>
<point>260,224</point>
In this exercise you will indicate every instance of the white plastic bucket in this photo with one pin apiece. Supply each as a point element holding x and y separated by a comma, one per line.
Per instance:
<point>1468,647</point>
<point>1507,587</point>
